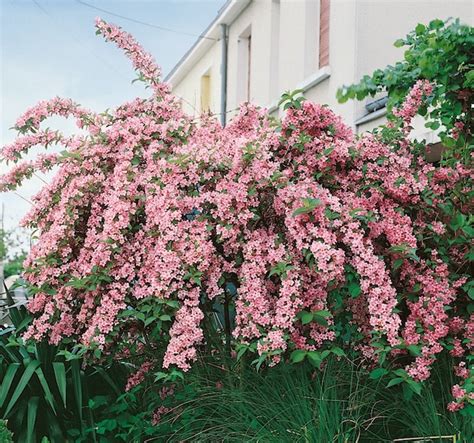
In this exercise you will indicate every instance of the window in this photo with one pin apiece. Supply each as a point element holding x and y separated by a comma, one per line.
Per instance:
<point>244,67</point>
<point>324,33</point>
<point>206,93</point>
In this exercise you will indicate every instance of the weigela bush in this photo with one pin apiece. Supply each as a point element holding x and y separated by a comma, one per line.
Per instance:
<point>314,236</point>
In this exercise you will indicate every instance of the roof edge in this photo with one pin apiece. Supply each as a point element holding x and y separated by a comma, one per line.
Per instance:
<point>226,15</point>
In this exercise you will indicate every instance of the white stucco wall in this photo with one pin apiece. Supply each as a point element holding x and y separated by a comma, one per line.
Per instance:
<point>189,88</point>
<point>284,49</point>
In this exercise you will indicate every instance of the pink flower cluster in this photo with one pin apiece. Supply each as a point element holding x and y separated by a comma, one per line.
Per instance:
<point>422,88</point>
<point>137,377</point>
<point>151,207</point>
<point>143,62</point>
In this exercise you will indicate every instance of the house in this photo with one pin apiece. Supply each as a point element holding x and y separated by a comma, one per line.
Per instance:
<point>254,50</point>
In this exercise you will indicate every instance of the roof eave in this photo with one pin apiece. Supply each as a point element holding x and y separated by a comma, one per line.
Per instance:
<point>227,14</point>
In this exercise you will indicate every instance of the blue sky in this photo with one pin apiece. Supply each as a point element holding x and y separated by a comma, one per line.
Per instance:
<point>49,48</point>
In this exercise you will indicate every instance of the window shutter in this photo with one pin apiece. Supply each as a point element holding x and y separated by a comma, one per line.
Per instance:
<point>324,33</point>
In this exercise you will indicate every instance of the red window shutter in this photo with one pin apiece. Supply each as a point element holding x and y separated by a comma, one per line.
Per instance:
<point>324,33</point>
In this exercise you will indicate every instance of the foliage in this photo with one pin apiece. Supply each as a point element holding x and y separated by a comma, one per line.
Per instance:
<point>312,242</point>
<point>14,265</point>
<point>425,415</point>
<point>223,401</point>
<point>442,53</point>
<point>11,251</point>
<point>42,392</point>
<point>5,435</point>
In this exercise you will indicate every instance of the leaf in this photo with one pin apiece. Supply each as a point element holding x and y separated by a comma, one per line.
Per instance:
<point>394,381</point>
<point>298,356</point>
<point>320,317</point>
<point>420,28</point>
<point>260,361</point>
<point>47,391</point>
<point>414,350</point>
<point>315,358</point>
<point>354,289</point>
<point>160,376</point>
<point>60,375</point>
<point>436,24</point>
<point>31,419</point>
<point>467,411</point>
<point>77,386</point>
<point>7,381</point>
<point>323,313</point>
<point>397,263</point>
<point>301,210</point>
<point>378,373</point>
<point>306,317</point>
<point>309,205</point>
<point>457,221</point>
<point>407,392</point>
<point>331,215</point>
<point>338,351</point>
<point>414,386</point>
<point>401,372</point>
<point>22,384</point>
<point>399,43</point>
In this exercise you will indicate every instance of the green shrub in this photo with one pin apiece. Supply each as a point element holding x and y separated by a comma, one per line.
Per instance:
<point>44,390</point>
<point>5,435</point>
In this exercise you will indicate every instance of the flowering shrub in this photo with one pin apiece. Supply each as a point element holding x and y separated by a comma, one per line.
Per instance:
<point>316,237</point>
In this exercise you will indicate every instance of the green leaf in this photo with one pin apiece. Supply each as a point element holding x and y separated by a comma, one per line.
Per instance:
<point>414,386</point>
<point>298,356</point>
<point>414,350</point>
<point>378,373</point>
<point>260,361</point>
<point>47,391</point>
<point>315,358</point>
<point>354,289</point>
<point>77,386</point>
<point>321,316</point>
<point>436,24</point>
<point>160,376</point>
<point>395,381</point>
<point>458,221</point>
<point>7,381</point>
<point>306,317</point>
<point>397,263</point>
<point>60,376</point>
<point>323,313</point>
<point>338,351</point>
<point>467,411</point>
<point>420,28</point>
<point>22,384</point>
<point>399,43</point>
<point>309,205</point>
<point>31,419</point>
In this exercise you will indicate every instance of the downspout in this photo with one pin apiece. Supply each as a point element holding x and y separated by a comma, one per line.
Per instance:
<point>224,74</point>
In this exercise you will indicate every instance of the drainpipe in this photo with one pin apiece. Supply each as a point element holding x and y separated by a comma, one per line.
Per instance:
<point>224,74</point>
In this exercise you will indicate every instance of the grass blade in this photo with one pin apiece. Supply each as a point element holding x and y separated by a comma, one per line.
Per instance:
<point>47,392</point>
<point>7,381</point>
<point>25,378</point>
<point>60,375</point>
<point>31,419</point>
<point>77,386</point>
